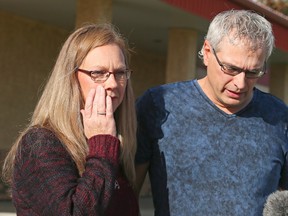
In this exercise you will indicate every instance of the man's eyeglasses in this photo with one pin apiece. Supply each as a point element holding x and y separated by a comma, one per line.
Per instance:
<point>233,70</point>
<point>101,76</point>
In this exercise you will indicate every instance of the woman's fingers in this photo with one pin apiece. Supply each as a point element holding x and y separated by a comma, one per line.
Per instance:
<point>109,107</point>
<point>98,113</point>
<point>100,101</point>
<point>89,103</point>
<point>110,117</point>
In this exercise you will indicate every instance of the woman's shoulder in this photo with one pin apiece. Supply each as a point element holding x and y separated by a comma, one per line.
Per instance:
<point>37,139</point>
<point>37,134</point>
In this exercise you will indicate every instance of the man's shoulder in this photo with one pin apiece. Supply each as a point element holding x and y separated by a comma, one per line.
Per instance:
<point>270,107</point>
<point>175,88</point>
<point>270,100</point>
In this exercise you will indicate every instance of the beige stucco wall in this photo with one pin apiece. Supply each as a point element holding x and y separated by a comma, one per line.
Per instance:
<point>279,81</point>
<point>148,70</point>
<point>27,54</point>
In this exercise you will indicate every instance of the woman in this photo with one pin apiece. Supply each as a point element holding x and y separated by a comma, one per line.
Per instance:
<point>76,157</point>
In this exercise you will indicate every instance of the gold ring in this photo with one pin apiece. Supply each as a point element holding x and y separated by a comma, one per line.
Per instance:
<point>101,113</point>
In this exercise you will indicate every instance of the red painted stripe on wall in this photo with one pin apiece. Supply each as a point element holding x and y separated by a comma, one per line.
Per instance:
<point>207,9</point>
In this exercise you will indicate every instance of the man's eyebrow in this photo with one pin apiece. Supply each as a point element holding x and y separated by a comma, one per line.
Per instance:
<point>231,65</point>
<point>238,68</point>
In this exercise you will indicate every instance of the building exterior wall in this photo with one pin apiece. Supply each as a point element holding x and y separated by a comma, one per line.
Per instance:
<point>28,52</point>
<point>148,70</point>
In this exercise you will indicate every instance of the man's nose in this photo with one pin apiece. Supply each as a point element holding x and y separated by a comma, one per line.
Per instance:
<point>240,80</point>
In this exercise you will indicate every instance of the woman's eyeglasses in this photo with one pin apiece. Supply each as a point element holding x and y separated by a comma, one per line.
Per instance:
<point>233,70</point>
<point>101,76</point>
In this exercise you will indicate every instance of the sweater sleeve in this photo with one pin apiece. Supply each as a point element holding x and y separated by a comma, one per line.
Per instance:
<point>46,179</point>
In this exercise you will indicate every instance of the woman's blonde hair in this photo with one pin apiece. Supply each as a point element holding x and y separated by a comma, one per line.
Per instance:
<point>59,106</point>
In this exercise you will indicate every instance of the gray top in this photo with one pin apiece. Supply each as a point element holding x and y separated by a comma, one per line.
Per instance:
<point>206,162</point>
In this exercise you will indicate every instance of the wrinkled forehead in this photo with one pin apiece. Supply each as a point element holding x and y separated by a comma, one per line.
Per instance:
<point>239,51</point>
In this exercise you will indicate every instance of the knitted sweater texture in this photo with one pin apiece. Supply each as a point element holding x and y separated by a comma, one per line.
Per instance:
<point>47,182</point>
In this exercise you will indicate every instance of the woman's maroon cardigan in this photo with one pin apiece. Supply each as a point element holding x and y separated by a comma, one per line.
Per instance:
<point>47,182</point>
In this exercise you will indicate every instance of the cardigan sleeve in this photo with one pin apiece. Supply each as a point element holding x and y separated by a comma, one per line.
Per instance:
<point>47,182</point>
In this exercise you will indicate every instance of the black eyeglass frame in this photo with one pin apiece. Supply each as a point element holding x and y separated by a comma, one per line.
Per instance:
<point>235,70</point>
<point>107,74</point>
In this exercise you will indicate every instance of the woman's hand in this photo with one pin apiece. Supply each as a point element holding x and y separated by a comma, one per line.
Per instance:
<point>98,114</point>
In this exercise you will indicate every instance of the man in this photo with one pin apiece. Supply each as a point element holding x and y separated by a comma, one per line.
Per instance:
<point>217,145</point>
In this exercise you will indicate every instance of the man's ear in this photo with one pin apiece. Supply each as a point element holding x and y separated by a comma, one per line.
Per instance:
<point>207,52</point>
